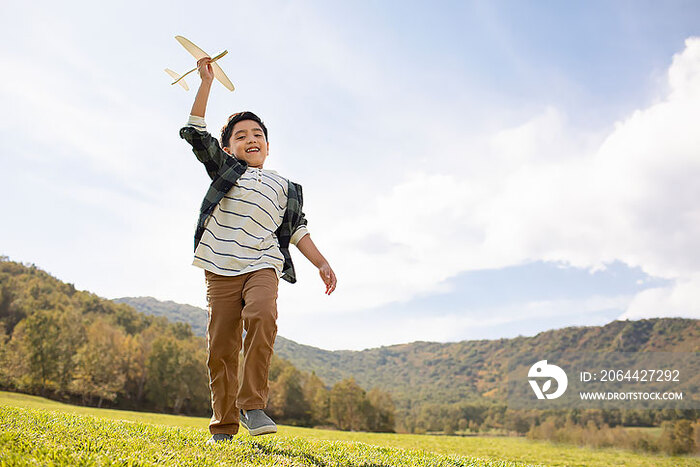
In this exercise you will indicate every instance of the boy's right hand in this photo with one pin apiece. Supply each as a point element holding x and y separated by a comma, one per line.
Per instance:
<point>205,70</point>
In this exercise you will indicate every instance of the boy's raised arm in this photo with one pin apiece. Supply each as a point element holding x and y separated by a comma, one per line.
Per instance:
<point>199,107</point>
<point>204,145</point>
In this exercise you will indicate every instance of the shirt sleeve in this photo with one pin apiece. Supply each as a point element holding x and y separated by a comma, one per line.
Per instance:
<point>205,147</point>
<point>298,234</point>
<point>197,122</point>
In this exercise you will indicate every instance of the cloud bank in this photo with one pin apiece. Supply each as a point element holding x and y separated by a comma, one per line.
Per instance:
<point>540,191</point>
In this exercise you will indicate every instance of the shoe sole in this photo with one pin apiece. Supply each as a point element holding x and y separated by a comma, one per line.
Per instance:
<point>261,430</point>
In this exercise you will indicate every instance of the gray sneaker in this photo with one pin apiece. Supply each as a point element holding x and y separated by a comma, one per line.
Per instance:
<point>219,437</point>
<point>257,422</point>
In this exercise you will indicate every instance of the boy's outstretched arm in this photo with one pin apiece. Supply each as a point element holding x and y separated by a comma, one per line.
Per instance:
<point>204,145</point>
<point>308,249</point>
<point>207,74</point>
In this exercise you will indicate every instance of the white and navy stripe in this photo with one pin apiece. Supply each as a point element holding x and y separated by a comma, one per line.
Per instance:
<point>239,236</point>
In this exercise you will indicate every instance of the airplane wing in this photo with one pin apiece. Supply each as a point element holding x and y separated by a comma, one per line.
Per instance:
<point>198,53</point>
<point>221,76</point>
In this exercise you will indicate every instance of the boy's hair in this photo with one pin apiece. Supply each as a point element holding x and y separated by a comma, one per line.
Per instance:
<point>227,129</point>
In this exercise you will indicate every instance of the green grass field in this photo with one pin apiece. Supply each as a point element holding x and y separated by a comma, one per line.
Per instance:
<point>37,431</point>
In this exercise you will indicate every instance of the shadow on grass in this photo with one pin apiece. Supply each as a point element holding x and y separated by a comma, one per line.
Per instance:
<point>296,454</point>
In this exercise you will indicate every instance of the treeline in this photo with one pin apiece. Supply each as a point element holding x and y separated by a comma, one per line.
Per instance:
<point>676,437</point>
<point>670,431</point>
<point>483,417</point>
<point>70,345</point>
<point>299,398</point>
<point>74,346</point>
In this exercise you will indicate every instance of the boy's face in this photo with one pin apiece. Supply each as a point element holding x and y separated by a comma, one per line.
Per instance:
<point>248,143</point>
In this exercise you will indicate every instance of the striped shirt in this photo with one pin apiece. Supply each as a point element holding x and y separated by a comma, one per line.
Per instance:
<point>239,235</point>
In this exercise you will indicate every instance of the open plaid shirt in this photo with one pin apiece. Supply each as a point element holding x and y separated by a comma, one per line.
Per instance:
<point>224,170</point>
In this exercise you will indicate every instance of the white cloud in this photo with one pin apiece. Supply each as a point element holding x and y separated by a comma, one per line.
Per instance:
<point>679,300</point>
<point>541,191</point>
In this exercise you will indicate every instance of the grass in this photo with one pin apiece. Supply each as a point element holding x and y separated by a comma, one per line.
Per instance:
<point>43,437</point>
<point>36,431</point>
<point>34,402</point>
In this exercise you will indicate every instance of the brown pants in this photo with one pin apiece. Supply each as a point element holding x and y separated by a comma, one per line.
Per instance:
<point>248,300</point>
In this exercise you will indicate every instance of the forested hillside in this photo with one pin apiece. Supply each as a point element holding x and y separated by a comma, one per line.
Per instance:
<point>458,385</point>
<point>74,346</point>
<point>467,371</point>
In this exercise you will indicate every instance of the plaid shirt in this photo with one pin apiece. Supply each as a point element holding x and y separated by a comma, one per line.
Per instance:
<point>224,170</point>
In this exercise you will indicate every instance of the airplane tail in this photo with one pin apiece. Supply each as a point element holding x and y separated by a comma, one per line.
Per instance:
<point>178,79</point>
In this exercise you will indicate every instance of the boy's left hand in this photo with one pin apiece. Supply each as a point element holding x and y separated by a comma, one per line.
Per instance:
<point>328,277</point>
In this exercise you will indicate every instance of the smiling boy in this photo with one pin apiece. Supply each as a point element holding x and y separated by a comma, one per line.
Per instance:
<point>247,221</point>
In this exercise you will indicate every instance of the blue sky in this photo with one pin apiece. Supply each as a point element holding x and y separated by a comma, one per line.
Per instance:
<point>470,169</point>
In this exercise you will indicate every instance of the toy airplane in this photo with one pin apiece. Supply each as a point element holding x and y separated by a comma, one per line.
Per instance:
<point>198,53</point>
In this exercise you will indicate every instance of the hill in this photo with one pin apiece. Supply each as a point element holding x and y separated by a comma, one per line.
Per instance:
<point>422,372</point>
<point>469,371</point>
<point>74,346</point>
<point>174,312</point>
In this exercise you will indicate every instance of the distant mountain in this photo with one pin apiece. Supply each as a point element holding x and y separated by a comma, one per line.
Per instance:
<point>194,316</point>
<point>175,312</point>
<point>457,372</point>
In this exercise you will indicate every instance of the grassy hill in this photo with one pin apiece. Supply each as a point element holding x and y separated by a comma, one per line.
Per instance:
<point>37,431</point>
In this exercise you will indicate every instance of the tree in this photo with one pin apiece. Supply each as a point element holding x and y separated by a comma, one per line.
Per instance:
<point>11,310</point>
<point>318,398</point>
<point>381,416</point>
<point>176,375</point>
<point>162,367</point>
<point>349,406</point>
<point>72,337</point>
<point>99,364</point>
<point>139,350</point>
<point>38,338</point>
<point>5,359</point>
<point>677,437</point>
<point>516,421</point>
<point>134,368</point>
<point>193,393</point>
<point>287,397</point>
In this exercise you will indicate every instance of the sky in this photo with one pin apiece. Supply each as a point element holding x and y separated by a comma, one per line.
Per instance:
<point>471,170</point>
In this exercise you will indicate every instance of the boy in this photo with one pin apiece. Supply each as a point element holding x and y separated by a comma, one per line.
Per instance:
<point>247,220</point>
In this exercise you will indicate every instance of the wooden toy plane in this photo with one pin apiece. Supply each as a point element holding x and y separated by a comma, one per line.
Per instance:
<point>198,53</point>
